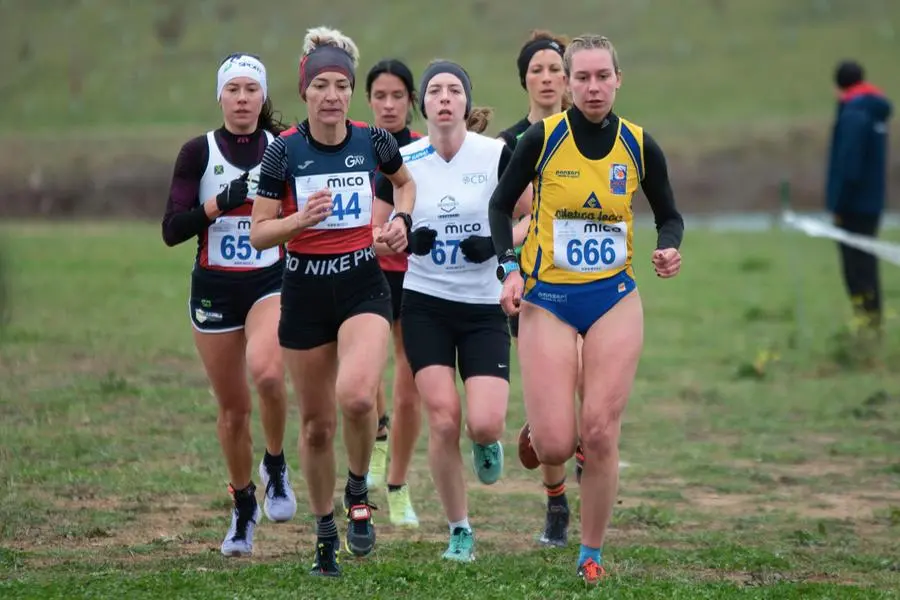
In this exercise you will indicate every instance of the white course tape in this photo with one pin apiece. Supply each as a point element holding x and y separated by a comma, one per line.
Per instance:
<point>817,228</point>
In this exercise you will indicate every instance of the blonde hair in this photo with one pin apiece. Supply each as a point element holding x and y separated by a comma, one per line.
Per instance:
<point>589,41</point>
<point>479,118</point>
<point>327,36</point>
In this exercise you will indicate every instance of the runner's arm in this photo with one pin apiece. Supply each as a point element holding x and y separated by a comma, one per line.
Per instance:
<point>381,211</point>
<point>390,164</point>
<point>267,230</point>
<point>512,185</point>
<point>658,189</point>
<point>185,216</point>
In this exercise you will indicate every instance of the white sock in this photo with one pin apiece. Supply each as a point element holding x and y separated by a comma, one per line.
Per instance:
<point>464,524</point>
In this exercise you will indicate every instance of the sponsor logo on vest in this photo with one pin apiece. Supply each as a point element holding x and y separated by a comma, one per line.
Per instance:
<point>453,228</point>
<point>474,178</point>
<point>354,160</point>
<point>336,181</point>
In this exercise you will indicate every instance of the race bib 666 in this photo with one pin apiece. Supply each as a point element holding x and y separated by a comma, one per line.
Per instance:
<point>586,246</point>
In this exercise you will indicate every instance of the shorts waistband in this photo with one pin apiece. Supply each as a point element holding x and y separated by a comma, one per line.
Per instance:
<point>326,265</point>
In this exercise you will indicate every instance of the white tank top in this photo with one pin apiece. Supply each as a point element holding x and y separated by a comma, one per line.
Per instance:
<point>228,243</point>
<point>452,198</point>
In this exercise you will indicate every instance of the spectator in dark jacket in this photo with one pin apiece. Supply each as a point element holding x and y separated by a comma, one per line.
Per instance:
<point>857,181</point>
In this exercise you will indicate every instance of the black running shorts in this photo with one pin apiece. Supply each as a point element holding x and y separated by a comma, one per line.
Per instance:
<point>474,337</point>
<point>395,282</point>
<point>220,300</point>
<point>321,291</point>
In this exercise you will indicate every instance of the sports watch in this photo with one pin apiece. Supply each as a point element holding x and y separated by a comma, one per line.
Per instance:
<point>407,220</point>
<point>508,264</point>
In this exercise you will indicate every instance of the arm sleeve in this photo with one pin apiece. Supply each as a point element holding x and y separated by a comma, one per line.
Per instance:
<point>384,189</point>
<point>657,188</point>
<point>516,177</point>
<point>185,215</point>
<point>505,155</point>
<point>387,151</point>
<point>273,170</point>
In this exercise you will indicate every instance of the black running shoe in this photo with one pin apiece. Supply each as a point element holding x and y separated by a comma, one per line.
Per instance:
<point>327,563</point>
<point>360,528</point>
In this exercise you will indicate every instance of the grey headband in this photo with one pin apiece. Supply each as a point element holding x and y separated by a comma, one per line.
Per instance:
<point>325,58</point>
<point>445,66</point>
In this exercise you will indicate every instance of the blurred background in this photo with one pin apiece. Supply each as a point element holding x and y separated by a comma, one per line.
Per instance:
<point>99,95</point>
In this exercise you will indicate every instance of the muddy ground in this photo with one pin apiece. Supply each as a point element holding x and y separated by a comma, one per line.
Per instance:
<point>117,177</point>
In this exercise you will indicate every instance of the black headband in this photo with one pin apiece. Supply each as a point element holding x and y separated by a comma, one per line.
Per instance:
<point>325,58</point>
<point>445,66</point>
<point>532,48</point>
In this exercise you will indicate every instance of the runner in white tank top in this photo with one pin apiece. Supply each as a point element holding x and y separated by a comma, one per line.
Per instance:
<point>451,313</point>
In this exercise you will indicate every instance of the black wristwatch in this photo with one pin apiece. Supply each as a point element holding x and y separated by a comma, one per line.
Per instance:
<point>407,220</point>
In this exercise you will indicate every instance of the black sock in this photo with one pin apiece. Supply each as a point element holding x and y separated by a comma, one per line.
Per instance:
<point>326,528</point>
<point>394,488</point>
<point>356,489</point>
<point>244,499</point>
<point>275,462</point>
<point>556,494</point>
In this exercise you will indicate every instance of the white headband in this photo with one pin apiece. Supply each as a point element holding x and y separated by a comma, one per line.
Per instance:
<point>242,65</point>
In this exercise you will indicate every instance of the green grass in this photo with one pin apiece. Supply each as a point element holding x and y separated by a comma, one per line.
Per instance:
<point>707,64</point>
<point>762,462</point>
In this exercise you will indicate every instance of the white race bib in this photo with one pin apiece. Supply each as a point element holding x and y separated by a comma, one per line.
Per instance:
<point>229,245</point>
<point>351,195</point>
<point>589,246</point>
<point>446,253</point>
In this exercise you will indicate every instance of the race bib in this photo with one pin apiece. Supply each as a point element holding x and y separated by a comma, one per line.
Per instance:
<point>588,246</point>
<point>446,252</point>
<point>229,245</point>
<point>351,197</point>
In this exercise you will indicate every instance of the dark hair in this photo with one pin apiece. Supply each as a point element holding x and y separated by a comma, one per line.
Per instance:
<point>397,68</point>
<point>848,73</point>
<point>268,120</point>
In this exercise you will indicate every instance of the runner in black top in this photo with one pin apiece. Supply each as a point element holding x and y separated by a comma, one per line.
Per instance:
<point>589,164</point>
<point>543,77</point>
<point>392,97</point>
<point>235,290</point>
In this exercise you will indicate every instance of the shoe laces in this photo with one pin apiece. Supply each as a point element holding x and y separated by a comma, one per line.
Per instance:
<point>592,571</point>
<point>490,455</point>
<point>275,488</point>
<point>458,539</point>
<point>360,515</point>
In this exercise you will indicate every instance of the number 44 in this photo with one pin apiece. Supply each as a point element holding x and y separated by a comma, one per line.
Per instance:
<point>352,208</point>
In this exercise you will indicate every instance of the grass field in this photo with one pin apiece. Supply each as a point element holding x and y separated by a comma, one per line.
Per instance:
<point>764,458</point>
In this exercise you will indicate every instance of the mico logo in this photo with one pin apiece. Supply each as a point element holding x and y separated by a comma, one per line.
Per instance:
<point>344,182</point>
<point>464,228</point>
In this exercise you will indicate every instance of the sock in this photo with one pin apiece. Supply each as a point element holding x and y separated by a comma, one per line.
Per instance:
<point>394,488</point>
<point>275,462</point>
<point>556,494</point>
<point>326,527</point>
<point>587,552</point>
<point>464,524</point>
<point>356,489</point>
<point>244,499</point>
<point>381,438</point>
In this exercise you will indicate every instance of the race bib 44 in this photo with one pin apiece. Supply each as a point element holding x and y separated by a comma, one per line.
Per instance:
<point>229,245</point>
<point>351,197</point>
<point>589,246</point>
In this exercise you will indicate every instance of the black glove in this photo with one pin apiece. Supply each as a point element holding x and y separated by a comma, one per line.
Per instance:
<point>420,241</point>
<point>477,248</point>
<point>234,194</point>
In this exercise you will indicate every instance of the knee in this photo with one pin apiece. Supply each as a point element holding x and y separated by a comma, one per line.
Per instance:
<point>318,432</point>
<point>486,430</point>
<point>235,418</point>
<point>356,404</point>
<point>553,451</point>
<point>443,426</point>
<point>600,435</point>
<point>268,380</point>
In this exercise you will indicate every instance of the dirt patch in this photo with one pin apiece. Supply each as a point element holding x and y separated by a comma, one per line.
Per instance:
<point>125,177</point>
